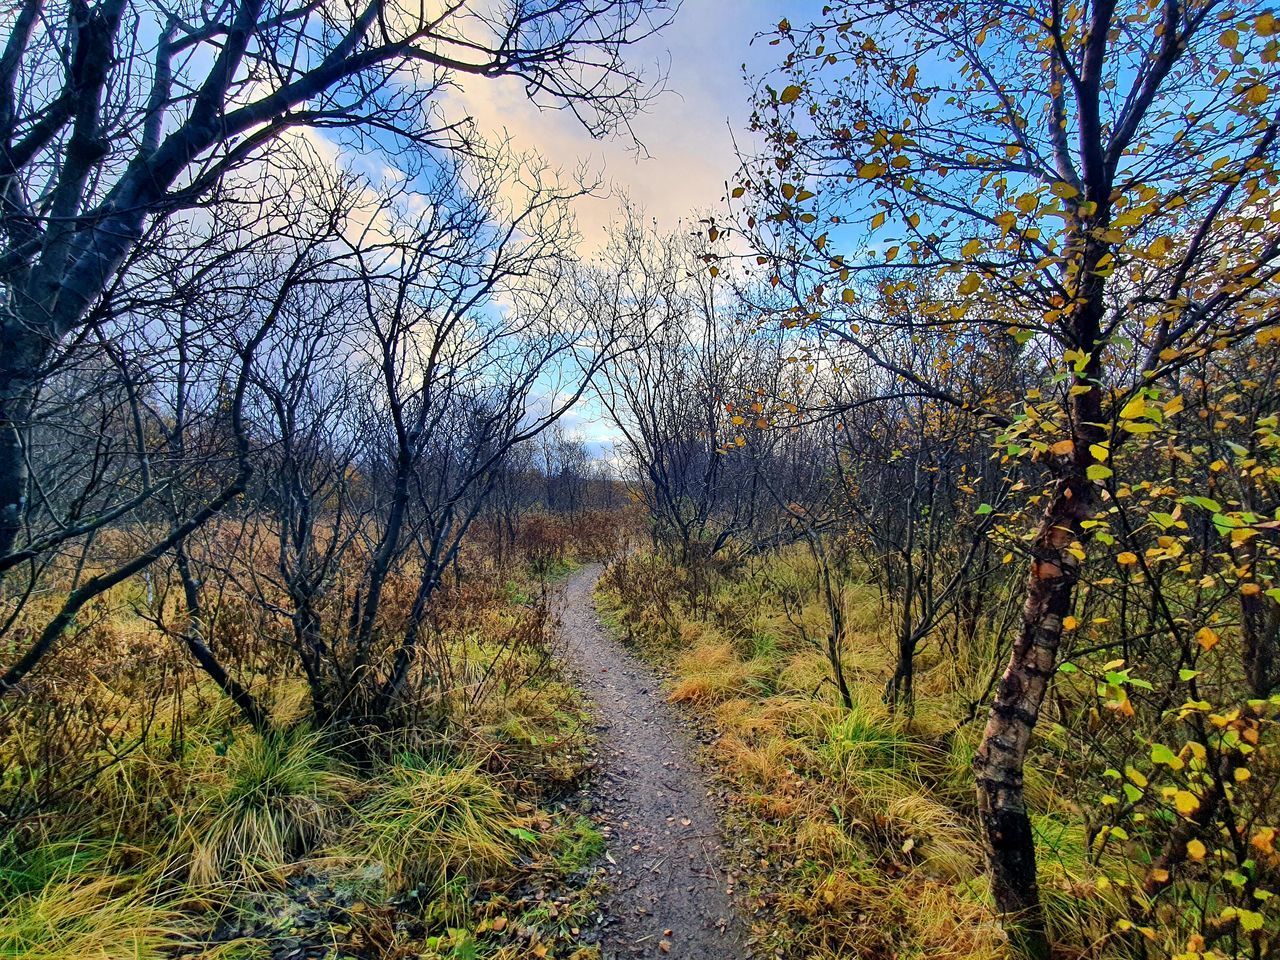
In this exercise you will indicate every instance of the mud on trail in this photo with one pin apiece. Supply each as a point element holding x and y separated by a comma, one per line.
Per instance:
<point>668,888</point>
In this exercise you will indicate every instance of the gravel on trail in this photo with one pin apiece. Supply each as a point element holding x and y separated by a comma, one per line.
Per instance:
<point>669,893</point>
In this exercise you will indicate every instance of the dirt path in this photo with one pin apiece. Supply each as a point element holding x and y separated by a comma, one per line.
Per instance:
<point>669,893</point>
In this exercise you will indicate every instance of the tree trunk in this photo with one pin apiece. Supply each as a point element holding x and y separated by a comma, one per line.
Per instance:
<point>22,353</point>
<point>1260,617</point>
<point>998,766</point>
<point>1260,623</point>
<point>204,656</point>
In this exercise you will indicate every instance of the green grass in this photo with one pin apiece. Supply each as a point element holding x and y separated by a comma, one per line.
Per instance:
<point>578,845</point>
<point>89,918</point>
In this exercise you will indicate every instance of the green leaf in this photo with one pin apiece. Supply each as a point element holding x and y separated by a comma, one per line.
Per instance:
<point>1205,503</point>
<point>1162,754</point>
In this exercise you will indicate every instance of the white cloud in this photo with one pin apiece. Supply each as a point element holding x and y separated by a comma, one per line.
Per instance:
<point>688,150</point>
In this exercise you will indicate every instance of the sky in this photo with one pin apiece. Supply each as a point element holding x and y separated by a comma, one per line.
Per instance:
<point>687,133</point>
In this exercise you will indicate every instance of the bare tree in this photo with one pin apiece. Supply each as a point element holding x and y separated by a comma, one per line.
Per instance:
<point>115,117</point>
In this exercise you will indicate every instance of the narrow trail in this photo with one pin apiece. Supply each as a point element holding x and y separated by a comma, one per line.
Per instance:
<point>669,891</point>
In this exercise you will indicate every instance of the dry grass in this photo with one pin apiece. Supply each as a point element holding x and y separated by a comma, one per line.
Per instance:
<point>430,823</point>
<point>867,856</point>
<point>94,918</point>
<point>273,800</point>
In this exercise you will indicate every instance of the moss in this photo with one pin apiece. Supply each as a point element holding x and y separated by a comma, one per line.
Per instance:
<point>578,845</point>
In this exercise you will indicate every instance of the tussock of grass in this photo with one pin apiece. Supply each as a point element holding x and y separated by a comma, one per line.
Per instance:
<point>711,673</point>
<point>53,860</point>
<point>860,745</point>
<point>105,918</point>
<point>762,764</point>
<point>431,823</point>
<point>272,802</point>
<point>1077,894</point>
<point>579,844</point>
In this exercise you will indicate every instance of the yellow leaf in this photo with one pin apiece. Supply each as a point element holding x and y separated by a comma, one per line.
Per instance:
<point>869,171</point>
<point>1134,408</point>
<point>1130,426</point>
<point>1229,39</point>
<point>1266,25</point>
<point>1186,803</point>
<point>877,221</point>
<point>1195,849</point>
<point>1062,448</point>
<point>790,95</point>
<point>1028,203</point>
<point>1264,839</point>
<point>847,295</point>
<point>972,248</point>
<point>1257,94</point>
<point>969,284</point>
<point>1070,623</point>
<point>1250,589</point>
<point>1126,559</point>
<point>1173,406</point>
<point>1207,639</point>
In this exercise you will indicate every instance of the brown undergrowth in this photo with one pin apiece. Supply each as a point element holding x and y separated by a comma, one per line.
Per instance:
<point>144,818</point>
<point>854,826</point>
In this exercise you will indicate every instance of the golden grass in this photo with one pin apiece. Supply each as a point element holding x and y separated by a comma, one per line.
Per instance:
<point>103,918</point>
<point>431,823</point>
<point>273,800</point>
<point>711,673</point>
